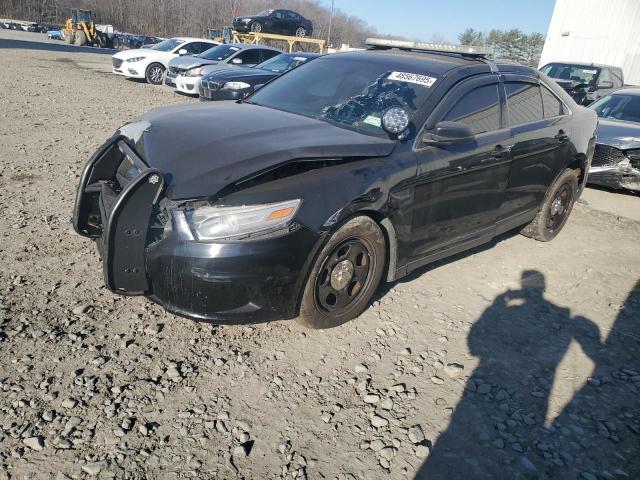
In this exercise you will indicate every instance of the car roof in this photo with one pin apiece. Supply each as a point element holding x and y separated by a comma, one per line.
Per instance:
<point>194,39</point>
<point>434,63</point>
<point>583,64</point>
<point>635,91</point>
<point>251,45</point>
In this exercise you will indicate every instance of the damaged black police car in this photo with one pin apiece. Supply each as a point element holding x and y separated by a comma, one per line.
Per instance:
<point>355,168</point>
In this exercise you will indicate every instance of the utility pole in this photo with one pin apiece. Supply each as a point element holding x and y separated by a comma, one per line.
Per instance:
<point>330,22</point>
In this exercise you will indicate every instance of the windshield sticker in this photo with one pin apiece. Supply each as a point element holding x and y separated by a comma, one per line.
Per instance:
<point>593,72</point>
<point>423,80</point>
<point>371,120</point>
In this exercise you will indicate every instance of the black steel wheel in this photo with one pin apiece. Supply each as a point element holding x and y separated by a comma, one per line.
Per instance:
<point>256,27</point>
<point>346,274</point>
<point>155,73</point>
<point>556,208</point>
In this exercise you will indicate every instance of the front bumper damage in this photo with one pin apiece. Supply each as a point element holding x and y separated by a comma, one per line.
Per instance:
<point>120,204</point>
<point>612,168</point>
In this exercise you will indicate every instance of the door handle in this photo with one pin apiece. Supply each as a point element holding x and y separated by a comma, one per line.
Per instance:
<point>562,136</point>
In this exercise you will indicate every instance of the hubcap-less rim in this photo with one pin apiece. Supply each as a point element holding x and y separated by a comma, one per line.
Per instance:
<point>559,207</point>
<point>344,275</point>
<point>256,27</point>
<point>155,74</point>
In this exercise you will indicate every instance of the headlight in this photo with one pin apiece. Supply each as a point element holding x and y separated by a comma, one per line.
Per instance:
<point>135,59</point>
<point>236,86</point>
<point>633,154</point>
<point>194,72</point>
<point>215,223</point>
<point>246,20</point>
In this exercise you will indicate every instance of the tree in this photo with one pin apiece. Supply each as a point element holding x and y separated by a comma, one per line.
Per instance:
<point>471,37</point>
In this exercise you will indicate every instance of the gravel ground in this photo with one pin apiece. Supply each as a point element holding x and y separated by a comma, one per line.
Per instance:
<point>519,360</point>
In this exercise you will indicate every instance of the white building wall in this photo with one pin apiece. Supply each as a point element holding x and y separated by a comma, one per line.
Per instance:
<point>596,31</point>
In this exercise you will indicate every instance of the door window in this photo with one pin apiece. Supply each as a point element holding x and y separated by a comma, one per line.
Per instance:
<point>524,102</point>
<point>605,76</point>
<point>479,108</point>
<point>278,14</point>
<point>249,57</point>
<point>616,74</point>
<point>205,46</point>
<point>192,48</point>
<point>267,54</point>
<point>552,106</point>
<point>291,16</point>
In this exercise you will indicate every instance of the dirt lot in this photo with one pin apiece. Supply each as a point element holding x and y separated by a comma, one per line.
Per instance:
<point>520,360</point>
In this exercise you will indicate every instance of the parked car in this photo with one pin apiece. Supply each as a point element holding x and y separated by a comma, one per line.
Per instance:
<point>279,21</point>
<point>353,168</point>
<point>150,63</point>
<point>236,83</point>
<point>585,82</point>
<point>184,73</point>
<point>616,161</point>
<point>55,35</point>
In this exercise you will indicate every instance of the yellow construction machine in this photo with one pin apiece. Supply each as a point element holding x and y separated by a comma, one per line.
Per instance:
<point>80,29</point>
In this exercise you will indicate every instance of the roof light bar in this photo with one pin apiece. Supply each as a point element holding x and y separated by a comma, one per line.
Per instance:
<point>428,47</point>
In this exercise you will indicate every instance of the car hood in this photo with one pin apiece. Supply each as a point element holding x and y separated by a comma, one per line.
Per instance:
<point>136,52</point>
<point>202,148</point>
<point>239,73</point>
<point>189,61</point>
<point>619,134</point>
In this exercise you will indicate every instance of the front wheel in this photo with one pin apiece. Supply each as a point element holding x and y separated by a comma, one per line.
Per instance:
<point>556,208</point>
<point>345,275</point>
<point>154,74</point>
<point>256,27</point>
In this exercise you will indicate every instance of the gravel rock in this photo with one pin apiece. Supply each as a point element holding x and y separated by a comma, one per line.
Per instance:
<point>379,422</point>
<point>416,435</point>
<point>453,370</point>
<point>94,468</point>
<point>34,443</point>
<point>422,451</point>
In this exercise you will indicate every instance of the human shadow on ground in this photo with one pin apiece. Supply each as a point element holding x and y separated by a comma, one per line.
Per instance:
<point>497,430</point>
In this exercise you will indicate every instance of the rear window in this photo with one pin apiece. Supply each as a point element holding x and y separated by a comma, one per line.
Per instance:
<point>581,74</point>
<point>552,106</point>
<point>524,103</point>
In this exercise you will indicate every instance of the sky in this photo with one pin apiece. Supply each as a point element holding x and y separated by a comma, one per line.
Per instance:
<point>444,19</point>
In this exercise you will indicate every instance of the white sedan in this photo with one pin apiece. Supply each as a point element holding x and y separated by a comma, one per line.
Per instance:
<point>151,63</point>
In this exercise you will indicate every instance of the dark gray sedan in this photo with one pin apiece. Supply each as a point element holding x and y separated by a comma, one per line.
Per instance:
<point>616,162</point>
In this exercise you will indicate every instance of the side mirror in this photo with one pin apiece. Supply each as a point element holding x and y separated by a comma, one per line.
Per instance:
<point>605,84</point>
<point>448,133</point>
<point>237,61</point>
<point>182,51</point>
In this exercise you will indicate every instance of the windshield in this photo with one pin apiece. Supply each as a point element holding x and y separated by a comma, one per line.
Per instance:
<point>348,92</point>
<point>167,45</point>
<point>219,53</point>
<point>583,74</point>
<point>282,63</point>
<point>619,107</point>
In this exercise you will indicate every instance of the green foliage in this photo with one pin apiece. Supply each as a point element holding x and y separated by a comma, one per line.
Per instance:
<point>514,44</point>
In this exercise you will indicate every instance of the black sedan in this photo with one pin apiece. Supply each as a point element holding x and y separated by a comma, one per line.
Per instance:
<point>616,162</point>
<point>353,169</point>
<point>283,22</point>
<point>236,83</point>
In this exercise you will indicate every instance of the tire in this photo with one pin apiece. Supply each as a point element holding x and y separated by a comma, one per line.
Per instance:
<point>555,211</point>
<point>301,32</point>
<point>256,27</point>
<point>80,40</point>
<point>68,37</point>
<point>154,73</point>
<point>345,275</point>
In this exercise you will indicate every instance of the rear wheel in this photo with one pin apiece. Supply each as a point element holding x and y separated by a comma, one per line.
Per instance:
<point>345,276</point>
<point>81,39</point>
<point>256,27</point>
<point>155,73</point>
<point>556,208</point>
<point>301,32</point>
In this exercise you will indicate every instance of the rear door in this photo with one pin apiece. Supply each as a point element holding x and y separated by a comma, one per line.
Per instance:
<point>540,127</point>
<point>459,189</point>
